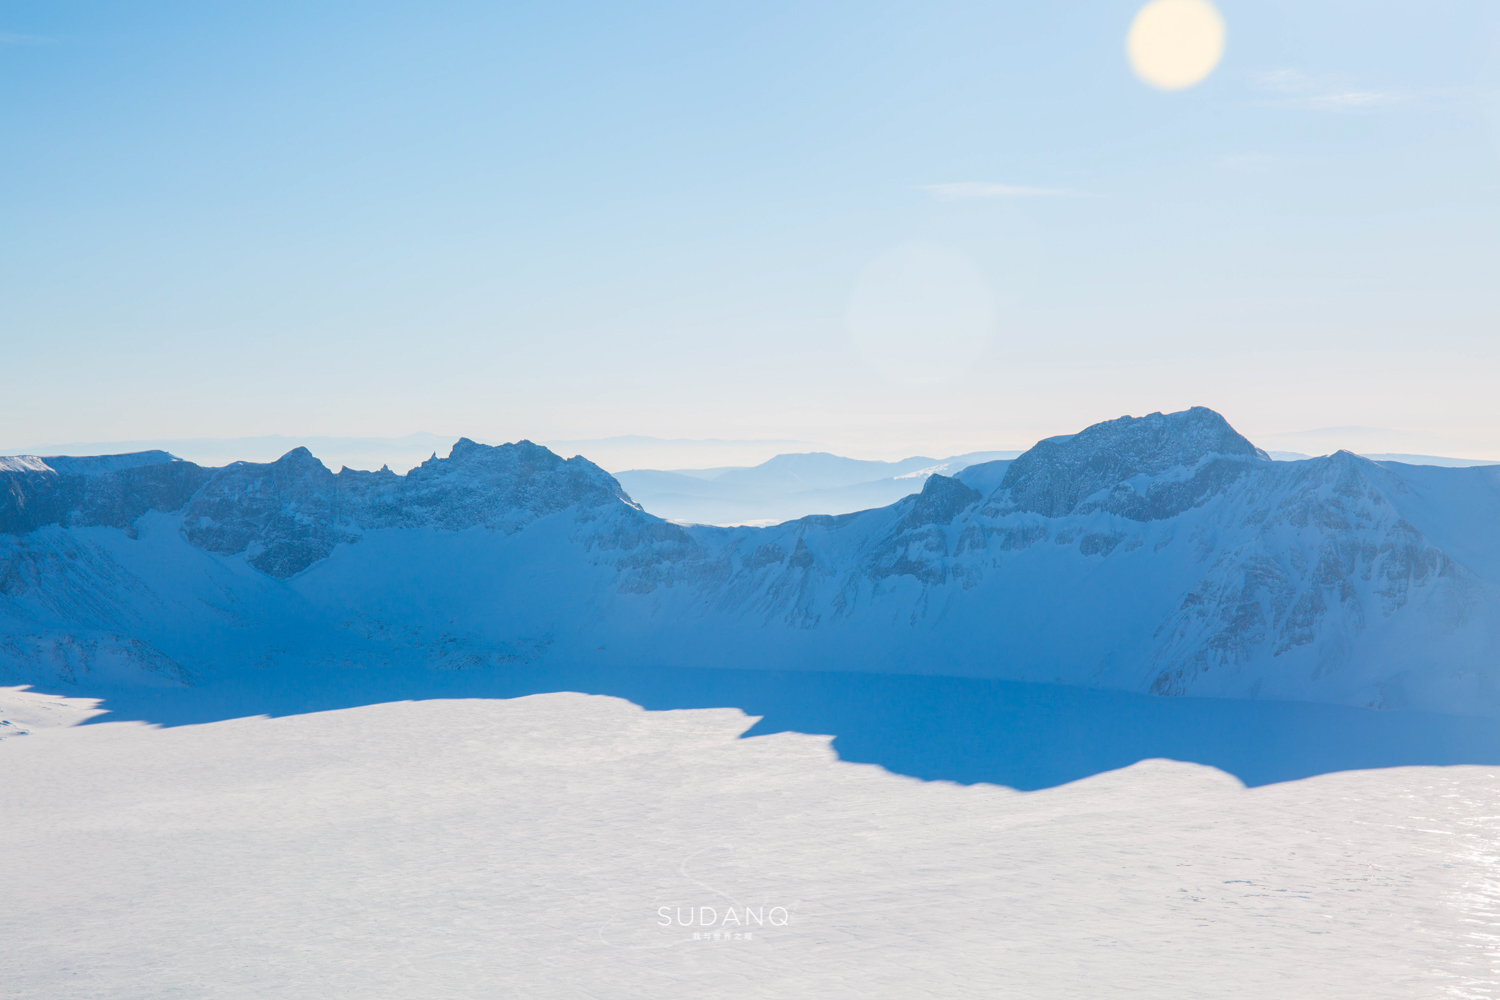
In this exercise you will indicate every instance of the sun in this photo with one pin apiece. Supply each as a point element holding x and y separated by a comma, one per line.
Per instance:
<point>1174,44</point>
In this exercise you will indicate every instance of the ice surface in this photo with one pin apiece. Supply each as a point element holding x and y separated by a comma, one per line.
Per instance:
<point>526,847</point>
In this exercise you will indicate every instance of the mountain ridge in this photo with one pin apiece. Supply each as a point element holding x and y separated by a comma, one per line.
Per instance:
<point>1158,554</point>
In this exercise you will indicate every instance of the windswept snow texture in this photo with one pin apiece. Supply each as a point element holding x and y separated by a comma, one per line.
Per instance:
<point>1163,554</point>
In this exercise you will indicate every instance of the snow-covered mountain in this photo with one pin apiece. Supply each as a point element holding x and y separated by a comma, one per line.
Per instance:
<point>1157,554</point>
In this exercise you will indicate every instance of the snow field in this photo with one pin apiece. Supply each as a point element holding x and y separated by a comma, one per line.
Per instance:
<point>525,847</point>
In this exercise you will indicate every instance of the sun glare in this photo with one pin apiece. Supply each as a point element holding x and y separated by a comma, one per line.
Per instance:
<point>1174,44</point>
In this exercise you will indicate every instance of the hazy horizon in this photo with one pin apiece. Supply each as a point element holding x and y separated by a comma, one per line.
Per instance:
<point>881,230</point>
<point>619,453</point>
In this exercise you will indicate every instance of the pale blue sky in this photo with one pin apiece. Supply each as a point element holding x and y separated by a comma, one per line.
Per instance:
<point>576,221</point>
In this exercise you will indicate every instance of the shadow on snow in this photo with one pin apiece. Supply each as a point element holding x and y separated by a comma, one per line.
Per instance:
<point>1026,736</point>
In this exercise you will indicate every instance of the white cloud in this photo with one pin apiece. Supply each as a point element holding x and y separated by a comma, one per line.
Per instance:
<point>1298,90</point>
<point>965,190</point>
<point>1351,100</point>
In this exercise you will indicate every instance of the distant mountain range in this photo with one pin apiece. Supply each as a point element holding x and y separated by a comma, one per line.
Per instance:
<point>1447,463</point>
<point>1159,554</point>
<point>788,486</point>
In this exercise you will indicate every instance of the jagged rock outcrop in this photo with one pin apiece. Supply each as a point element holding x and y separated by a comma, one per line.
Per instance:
<point>112,491</point>
<point>283,515</point>
<point>941,500</point>
<point>1329,557</point>
<point>288,514</point>
<point>1159,554</point>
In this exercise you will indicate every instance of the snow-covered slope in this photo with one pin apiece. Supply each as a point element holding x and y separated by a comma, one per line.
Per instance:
<point>525,847</point>
<point>1158,554</point>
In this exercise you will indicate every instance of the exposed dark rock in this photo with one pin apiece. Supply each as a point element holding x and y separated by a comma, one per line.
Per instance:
<point>32,498</point>
<point>284,515</point>
<point>288,514</point>
<point>1058,474</point>
<point>941,500</point>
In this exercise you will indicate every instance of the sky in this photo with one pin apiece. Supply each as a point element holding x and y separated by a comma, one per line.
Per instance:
<point>882,229</point>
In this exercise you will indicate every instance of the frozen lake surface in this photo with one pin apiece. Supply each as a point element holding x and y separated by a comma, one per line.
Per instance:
<point>529,846</point>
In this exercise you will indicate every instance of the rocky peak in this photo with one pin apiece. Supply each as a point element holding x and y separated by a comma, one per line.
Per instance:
<point>1058,474</point>
<point>284,515</point>
<point>299,466</point>
<point>290,513</point>
<point>942,499</point>
<point>299,456</point>
<point>480,481</point>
